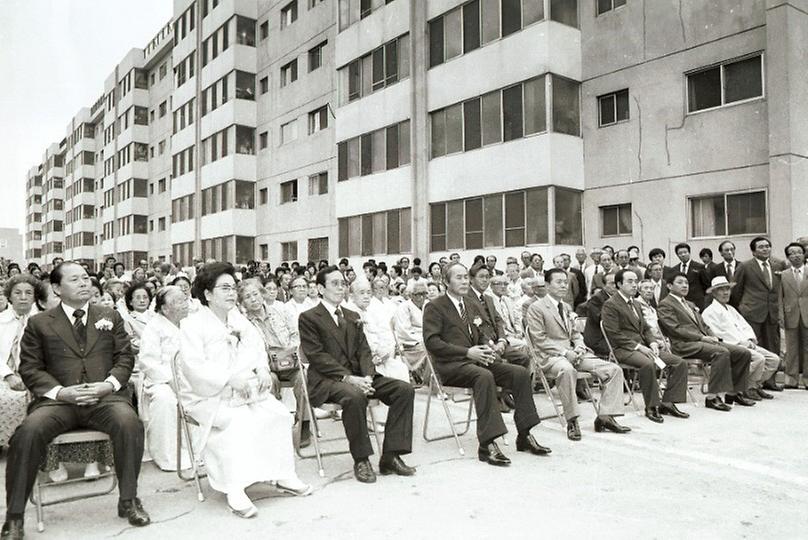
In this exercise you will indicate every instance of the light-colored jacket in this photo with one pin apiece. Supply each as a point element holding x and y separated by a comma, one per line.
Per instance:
<point>158,345</point>
<point>550,337</point>
<point>793,298</point>
<point>726,323</point>
<point>409,324</point>
<point>11,329</point>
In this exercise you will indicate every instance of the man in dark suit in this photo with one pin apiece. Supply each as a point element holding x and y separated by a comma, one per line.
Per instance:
<point>76,361</point>
<point>580,297</point>
<point>655,273</point>
<point>728,267</point>
<point>341,370</point>
<point>593,337</point>
<point>634,344</point>
<point>691,338</point>
<point>758,286</point>
<point>692,269</point>
<point>455,337</point>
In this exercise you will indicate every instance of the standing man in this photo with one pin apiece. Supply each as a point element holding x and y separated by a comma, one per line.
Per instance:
<point>794,315</point>
<point>580,296</point>
<point>692,269</point>
<point>608,268</point>
<point>728,267</point>
<point>592,269</point>
<point>691,338</point>
<point>758,284</point>
<point>572,280</point>
<point>655,272</point>
<point>453,336</point>
<point>76,361</point>
<point>635,345</point>
<point>341,370</point>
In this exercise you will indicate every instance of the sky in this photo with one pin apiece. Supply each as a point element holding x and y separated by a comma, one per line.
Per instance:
<point>54,58</point>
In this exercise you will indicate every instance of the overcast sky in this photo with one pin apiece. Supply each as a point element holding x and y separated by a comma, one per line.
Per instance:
<point>54,58</point>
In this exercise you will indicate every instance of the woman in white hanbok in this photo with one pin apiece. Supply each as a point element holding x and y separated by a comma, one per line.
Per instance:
<point>246,434</point>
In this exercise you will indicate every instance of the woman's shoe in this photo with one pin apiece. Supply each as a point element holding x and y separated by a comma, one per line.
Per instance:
<point>91,471</point>
<point>58,475</point>
<point>241,505</point>
<point>294,486</point>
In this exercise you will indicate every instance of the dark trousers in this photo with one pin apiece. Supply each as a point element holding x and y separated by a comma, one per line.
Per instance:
<point>767,334</point>
<point>484,381</point>
<point>729,367</point>
<point>676,391</point>
<point>29,444</point>
<point>396,394</point>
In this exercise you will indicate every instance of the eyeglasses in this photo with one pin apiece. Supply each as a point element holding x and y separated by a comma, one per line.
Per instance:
<point>339,283</point>
<point>227,289</point>
<point>418,294</point>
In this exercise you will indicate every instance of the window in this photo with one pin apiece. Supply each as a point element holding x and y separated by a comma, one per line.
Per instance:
<point>163,109</point>
<point>318,184</point>
<point>289,14</point>
<point>378,69</point>
<point>607,5</point>
<point>245,195</point>
<point>289,251</point>
<point>245,140</point>
<point>512,113</point>
<point>730,82</point>
<point>161,224</point>
<point>289,191</point>
<point>289,73</point>
<point>263,140</point>
<point>565,12</point>
<point>264,30</point>
<point>245,32</point>
<point>566,106</point>
<point>245,85</point>
<point>615,220</point>
<point>380,233</point>
<point>379,150</point>
<point>264,85</point>
<point>263,196</point>
<point>318,120</point>
<point>728,214</point>
<point>318,249</point>
<point>568,228</point>
<point>289,131</point>
<point>264,251</point>
<point>613,108</point>
<point>316,56</point>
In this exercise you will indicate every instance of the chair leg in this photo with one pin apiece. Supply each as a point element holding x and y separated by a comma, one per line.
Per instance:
<point>552,400</point>
<point>436,388</point>
<point>595,402</point>
<point>40,514</point>
<point>375,430</point>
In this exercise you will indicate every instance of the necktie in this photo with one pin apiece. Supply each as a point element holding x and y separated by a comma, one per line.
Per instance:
<point>766,275</point>
<point>340,318</point>
<point>798,274</point>
<point>506,312</point>
<point>464,316</point>
<point>657,290</point>
<point>561,313</point>
<point>79,328</point>
<point>729,271</point>
<point>683,268</point>
<point>633,308</point>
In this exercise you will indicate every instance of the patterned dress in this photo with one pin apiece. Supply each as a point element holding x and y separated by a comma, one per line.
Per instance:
<point>13,403</point>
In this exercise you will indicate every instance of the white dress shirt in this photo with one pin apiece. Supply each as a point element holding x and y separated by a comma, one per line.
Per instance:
<point>766,268</point>
<point>727,324</point>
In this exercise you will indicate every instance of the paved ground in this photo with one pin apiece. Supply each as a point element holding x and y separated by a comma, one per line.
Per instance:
<point>742,474</point>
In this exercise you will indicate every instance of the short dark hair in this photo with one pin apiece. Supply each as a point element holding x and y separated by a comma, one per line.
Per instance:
<point>476,268</point>
<point>130,293</point>
<point>97,285</point>
<point>207,278</point>
<point>706,251</point>
<point>790,245</point>
<point>548,274</point>
<point>755,240</point>
<point>681,245</point>
<point>397,268</point>
<point>341,261</point>
<point>417,270</point>
<point>432,264</point>
<point>656,251</point>
<point>651,264</point>
<point>672,277</point>
<point>40,291</point>
<point>633,247</point>
<point>320,279</point>
<point>181,278</point>
<point>620,275</point>
<point>721,245</point>
<point>117,264</point>
<point>56,274</point>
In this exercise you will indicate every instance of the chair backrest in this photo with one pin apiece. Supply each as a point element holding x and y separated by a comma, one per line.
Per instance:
<point>612,357</point>
<point>177,387</point>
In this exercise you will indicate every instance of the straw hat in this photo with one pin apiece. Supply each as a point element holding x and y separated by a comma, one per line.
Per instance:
<point>719,282</point>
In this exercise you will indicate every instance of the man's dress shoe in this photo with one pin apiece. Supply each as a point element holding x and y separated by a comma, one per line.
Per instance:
<point>739,399</point>
<point>764,394</point>
<point>391,464</point>
<point>717,404</point>
<point>363,472</point>
<point>673,410</point>
<point>573,431</point>
<point>609,424</point>
<point>753,394</point>
<point>492,455</point>
<point>774,387</point>
<point>526,443</point>
<point>13,530</point>
<point>133,510</point>
<point>652,413</point>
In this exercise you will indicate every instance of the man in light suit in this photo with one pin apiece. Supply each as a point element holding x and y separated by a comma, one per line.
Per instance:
<point>562,353</point>
<point>758,285</point>
<point>634,344</point>
<point>691,338</point>
<point>794,315</point>
<point>76,360</point>
<point>592,269</point>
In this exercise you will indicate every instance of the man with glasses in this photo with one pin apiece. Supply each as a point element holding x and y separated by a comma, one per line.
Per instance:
<point>341,371</point>
<point>408,326</point>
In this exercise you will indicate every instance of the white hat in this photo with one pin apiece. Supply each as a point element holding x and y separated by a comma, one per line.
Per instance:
<point>719,282</point>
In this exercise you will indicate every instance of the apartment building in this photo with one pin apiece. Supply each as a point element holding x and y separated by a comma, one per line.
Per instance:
<point>316,129</point>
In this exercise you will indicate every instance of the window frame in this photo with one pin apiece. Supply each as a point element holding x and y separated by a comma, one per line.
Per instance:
<point>614,95</point>
<point>721,67</point>
<point>617,208</point>
<point>690,198</point>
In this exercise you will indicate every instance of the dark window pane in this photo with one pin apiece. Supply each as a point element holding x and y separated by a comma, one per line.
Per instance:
<point>438,122</point>
<point>455,233</point>
<point>492,118</point>
<point>604,6</point>
<point>537,220</point>
<point>708,216</point>
<point>704,89</point>
<point>606,104</point>
<point>493,220</point>
<point>391,63</point>
<point>471,124</point>
<point>568,228</point>
<point>742,80</point>
<point>622,105</point>
<point>437,223</point>
<point>624,216</point>
<point>436,42</point>
<point>471,26</point>
<point>565,106</point>
<point>746,213</point>
<point>490,16</point>
<point>512,113</point>
<point>393,236</point>
<point>532,11</point>
<point>342,152</point>
<point>535,106</point>
<point>380,232</point>
<point>367,154</point>
<point>404,143</point>
<point>353,157</point>
<point>609,221</point>
<point>511,16</point>
<point>353,80</point>
<point>515,219</point>
<point>405,230</point>
<point>367,234</point>
<point>565,12</point>
<point>392,147</point>
<point>454,128</point>
<point>378,68</point>
<point>474,223</point>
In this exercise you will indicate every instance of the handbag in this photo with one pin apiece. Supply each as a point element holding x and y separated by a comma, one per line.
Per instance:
<point>282,360</point>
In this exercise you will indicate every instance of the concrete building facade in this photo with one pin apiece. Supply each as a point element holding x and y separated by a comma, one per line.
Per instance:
<point>316,129</point>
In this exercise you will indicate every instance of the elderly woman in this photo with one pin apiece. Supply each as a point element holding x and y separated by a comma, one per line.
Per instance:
<point>158,345</point>
<point>408,325</point>
<point>245,434</point>
<point>185,285</point>
<point>137,314</point>
<point>280,339</point>
<point>22,291</point>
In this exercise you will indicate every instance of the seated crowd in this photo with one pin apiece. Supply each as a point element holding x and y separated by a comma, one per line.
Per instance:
<point>104,350</point>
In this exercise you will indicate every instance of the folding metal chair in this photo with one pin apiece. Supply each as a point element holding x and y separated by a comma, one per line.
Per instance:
<point>59,450</point>
<point>628,384</point>
<point>317,438</point>
<point>184,421</point>
<point>557,407</point>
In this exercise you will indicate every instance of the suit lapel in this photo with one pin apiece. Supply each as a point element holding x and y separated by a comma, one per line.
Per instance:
<point>329,323</point>
<point>454,316</point>
<point>92,332</point>
<point>62,327</point>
